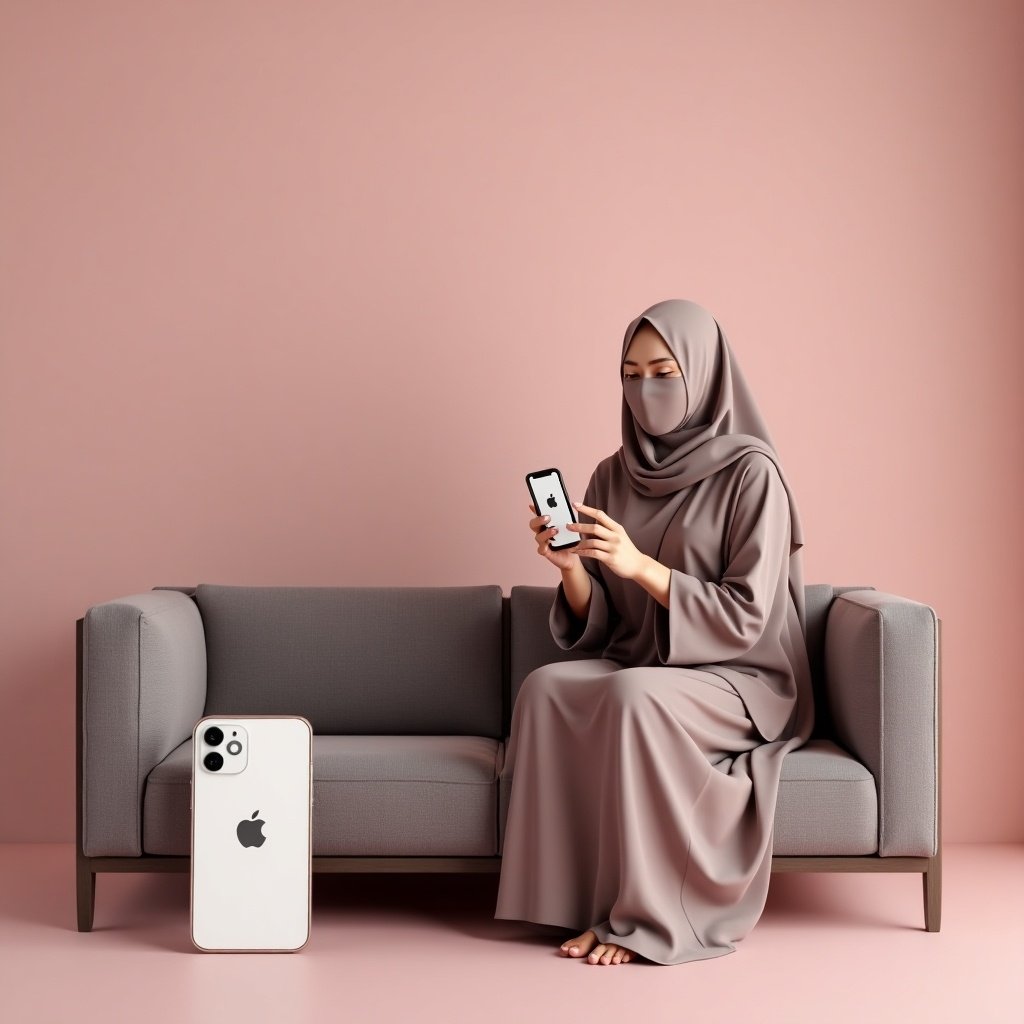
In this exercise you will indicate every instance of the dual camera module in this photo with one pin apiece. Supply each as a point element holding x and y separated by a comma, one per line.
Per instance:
<point>214,736</point>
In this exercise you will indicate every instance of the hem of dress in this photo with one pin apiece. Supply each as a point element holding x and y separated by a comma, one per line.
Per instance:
<point>705,953</point>
<point>537,920</point>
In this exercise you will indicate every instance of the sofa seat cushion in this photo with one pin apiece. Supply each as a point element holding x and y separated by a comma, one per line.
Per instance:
<point>372,796</point>
<point>827,805</point>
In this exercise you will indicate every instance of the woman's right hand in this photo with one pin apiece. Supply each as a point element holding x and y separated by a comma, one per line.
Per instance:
<point>543,533</point>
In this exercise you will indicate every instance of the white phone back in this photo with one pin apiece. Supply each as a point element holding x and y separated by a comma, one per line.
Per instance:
<point>253,897</point>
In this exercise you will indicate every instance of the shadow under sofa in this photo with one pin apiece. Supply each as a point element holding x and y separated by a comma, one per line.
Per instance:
<point>409,691</point>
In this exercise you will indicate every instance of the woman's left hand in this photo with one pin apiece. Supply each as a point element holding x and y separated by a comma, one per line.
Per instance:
<point>608,542</point>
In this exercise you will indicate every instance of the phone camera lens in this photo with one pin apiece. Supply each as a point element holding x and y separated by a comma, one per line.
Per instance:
<point>234,747</point>
<point>213,735</point>
<point>213,761</point>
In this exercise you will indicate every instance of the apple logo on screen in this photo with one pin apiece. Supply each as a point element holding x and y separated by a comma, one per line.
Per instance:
<point>552,501</point>
<point>250,831</point>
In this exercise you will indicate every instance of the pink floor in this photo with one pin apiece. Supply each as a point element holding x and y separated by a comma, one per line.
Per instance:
<point>840,947</point>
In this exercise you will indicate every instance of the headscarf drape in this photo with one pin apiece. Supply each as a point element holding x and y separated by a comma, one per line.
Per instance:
<point>722,420</point>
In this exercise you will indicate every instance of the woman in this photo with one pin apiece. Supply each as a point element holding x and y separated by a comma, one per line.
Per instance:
<point>644,779</point>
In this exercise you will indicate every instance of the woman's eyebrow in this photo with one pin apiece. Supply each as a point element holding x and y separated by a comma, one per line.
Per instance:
<point>662,359</point>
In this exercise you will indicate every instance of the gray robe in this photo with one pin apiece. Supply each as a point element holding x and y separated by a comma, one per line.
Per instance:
<point>644,779</point>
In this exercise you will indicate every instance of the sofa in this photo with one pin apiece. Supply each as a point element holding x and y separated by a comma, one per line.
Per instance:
<point>409,691</point>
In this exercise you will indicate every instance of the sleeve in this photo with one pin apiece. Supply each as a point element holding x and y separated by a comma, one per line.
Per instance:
<point>707,621</point>
<point>568,632</point>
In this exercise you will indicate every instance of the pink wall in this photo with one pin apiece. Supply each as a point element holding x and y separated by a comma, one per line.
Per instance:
<point>286,284</point>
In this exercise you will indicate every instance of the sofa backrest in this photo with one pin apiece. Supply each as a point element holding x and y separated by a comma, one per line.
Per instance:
<point>357,660</point>
<point>402,660</point>
<point>532,645</point>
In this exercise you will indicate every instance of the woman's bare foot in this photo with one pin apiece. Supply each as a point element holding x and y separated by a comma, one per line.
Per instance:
<point>600,952</point>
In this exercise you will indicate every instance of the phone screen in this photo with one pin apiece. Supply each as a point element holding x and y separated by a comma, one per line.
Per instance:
<point>551,500</point>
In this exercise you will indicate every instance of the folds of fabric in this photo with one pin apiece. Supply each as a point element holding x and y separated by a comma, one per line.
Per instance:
<point>642,806</point>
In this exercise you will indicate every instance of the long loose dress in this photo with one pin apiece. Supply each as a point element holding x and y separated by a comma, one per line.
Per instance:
<point>644,780</point>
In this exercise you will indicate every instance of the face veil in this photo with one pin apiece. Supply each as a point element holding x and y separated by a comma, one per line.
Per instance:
<point>659,404</point>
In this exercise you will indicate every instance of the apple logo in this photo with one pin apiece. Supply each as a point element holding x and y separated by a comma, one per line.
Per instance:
<point>250,831</point>
<point>552,501</point>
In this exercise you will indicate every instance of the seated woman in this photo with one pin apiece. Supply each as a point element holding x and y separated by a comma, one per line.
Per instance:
<point>644,779</point>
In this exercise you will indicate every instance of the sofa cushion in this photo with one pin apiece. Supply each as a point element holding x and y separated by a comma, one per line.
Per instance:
<point>357,660</point>
<point>827,803</point>
<point>372,796</point>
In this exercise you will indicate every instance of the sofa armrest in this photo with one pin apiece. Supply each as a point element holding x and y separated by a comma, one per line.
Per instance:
<point>143,690</point>
<point>882,678</point>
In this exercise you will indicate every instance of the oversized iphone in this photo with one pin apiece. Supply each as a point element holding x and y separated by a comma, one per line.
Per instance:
<point>251,866</point>
<point>550,498</point>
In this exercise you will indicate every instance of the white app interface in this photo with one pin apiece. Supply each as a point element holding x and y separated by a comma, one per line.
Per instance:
<point>551,502</point>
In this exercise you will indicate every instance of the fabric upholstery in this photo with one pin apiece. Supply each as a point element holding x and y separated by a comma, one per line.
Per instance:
<point>143,689</point>
<point>372,796</point>
<point>405,689</point>
<point>827,804</point>
<point>881,667</point>
<point>357,660</point>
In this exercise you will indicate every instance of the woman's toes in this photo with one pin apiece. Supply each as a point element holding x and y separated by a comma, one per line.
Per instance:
<point>578,946</point>
<point>609,953</point>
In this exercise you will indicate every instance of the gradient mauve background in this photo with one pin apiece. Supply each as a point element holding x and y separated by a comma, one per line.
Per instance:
<point>297,293</point>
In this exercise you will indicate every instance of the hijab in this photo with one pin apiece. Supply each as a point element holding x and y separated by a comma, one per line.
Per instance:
<point>719,419</point>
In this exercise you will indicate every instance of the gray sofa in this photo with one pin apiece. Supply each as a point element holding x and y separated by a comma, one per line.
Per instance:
<point>409,691</point>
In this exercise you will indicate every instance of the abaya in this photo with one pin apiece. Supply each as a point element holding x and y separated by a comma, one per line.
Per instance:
<point>644,779</point>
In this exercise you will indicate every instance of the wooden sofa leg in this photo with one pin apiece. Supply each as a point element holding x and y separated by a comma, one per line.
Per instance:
<point>932,881</point>
<point>86,887</point>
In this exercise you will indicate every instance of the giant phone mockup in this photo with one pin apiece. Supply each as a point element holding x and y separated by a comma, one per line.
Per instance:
<point>251,866</point>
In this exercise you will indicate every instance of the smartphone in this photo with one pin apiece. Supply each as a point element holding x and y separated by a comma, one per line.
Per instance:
<point>252,833</point>
<point>550,498</point>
